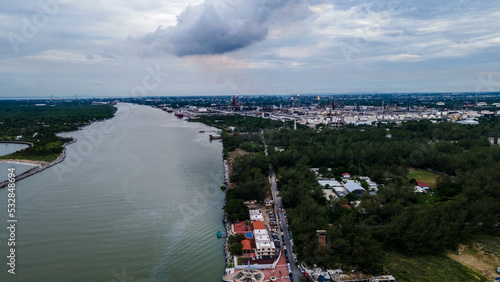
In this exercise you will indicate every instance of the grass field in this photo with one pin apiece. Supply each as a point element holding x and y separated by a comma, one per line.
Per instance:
<point>428,268</point>
<point>482,255</point>
<point>423,175</point>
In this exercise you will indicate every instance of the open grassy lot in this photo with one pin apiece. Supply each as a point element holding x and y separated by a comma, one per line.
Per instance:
<point>428,268</point>
<point>482,255</point>
<point>423,175</point>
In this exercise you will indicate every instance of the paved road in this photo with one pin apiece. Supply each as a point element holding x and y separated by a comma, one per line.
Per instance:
<point>278,209</point>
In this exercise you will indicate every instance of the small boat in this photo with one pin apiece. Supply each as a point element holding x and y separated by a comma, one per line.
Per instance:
<point>179,114</point>
<point>202,131</point>
<point>213,137</point>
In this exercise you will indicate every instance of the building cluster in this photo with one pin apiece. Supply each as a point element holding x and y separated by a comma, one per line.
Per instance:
<point>264,247</point>
<point>334,189</point>
<point>314,115</point>
<point>262,254</point>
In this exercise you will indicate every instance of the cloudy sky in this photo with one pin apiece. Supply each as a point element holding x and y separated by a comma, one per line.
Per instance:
<point>225,47</point>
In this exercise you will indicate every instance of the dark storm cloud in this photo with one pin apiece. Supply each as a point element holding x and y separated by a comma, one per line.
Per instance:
<point>218,26</point>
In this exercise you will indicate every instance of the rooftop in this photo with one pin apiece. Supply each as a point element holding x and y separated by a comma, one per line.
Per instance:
<point>330,182</point>
<point>353,187</point>
<point>246,244</point>
<point>422,184</point>
<point>258,225</point>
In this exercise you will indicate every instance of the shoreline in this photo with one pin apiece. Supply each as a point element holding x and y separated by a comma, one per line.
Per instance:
<point>40,165</point>
<point>23,162</point>
<point>17,142</point>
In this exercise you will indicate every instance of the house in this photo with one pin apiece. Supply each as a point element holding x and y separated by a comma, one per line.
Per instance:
<point>424,185</point>
<point>421,187</point>
<point>346,175</point>
<point>247,246</point>
<point>269,203</point>
<point>418,190</point>
<point>256,215</point>
<point>330,182</point>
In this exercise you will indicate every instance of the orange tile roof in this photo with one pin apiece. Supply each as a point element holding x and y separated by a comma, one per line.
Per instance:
<point>258,225</point>
<point>246,244</point>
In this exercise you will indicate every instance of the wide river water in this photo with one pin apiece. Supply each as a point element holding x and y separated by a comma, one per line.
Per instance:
<point>137,199</point>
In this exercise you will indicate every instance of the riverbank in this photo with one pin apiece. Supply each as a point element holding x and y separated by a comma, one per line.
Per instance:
<point>22,161</point>
<point>40,165</point>
<point>17,142</point>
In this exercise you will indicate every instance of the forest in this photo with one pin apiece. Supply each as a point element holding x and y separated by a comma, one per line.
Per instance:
<point>464,202</point>
<point>25,121</point>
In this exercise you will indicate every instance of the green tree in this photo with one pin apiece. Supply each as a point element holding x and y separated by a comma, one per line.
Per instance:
<point>236,249</point>
<point>236,210</point>
<point>236,238</point>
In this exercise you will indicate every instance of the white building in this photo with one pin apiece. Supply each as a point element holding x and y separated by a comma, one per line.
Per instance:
<point>353,187</point>
<point>263,244</point>
<point>256,215</point>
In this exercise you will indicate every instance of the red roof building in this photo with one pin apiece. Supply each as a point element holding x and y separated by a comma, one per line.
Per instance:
<point>241,228</point>
<point>247,246</point>
<point>423,184</point>
<point>346,175</point>
<point>258,225</point>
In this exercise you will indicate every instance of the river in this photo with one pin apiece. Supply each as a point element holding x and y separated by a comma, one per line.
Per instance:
<point>137,199</point>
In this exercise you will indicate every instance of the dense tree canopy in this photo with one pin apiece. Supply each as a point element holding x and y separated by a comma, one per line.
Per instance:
<point>465,200</point>
<point>39,124</point>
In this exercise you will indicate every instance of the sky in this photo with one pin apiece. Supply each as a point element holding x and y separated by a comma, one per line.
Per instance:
<point>124,48</point>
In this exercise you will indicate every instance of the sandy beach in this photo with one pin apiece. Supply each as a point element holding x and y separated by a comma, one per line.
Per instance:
<point>20,161</point>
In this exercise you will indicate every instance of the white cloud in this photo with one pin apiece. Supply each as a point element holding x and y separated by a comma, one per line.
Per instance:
<point>335,46</point>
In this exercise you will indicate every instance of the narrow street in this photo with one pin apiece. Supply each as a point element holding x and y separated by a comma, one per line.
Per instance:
<point>280,214</point>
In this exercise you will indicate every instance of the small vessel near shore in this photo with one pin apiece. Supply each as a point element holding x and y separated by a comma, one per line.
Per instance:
<point>179,114</point>
<point>168,109</point>
<point>214,137</point>
<point>202,131</point>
